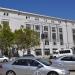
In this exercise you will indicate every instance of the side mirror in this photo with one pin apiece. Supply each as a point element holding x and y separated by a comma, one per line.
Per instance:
<point>39,66</point>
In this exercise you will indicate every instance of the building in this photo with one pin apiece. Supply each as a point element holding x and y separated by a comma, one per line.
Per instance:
<point>58,33</point>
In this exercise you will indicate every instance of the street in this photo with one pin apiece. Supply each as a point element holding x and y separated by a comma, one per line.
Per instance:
<point>72,73</point>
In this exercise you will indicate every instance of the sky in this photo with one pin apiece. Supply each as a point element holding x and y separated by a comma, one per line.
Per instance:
<point>56,8</point>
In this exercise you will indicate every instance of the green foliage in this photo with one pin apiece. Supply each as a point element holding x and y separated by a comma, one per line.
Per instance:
<point>23,38</point>
<point>26,38</point>
<point>6,36</point>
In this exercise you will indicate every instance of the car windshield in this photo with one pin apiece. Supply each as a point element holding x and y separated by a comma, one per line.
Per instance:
<point>44,61</point>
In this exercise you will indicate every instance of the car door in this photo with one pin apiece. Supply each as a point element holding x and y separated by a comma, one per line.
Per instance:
<point>33,67</point>
<point>21,67</point>
<point>73,63</point>
<point>67,62</point>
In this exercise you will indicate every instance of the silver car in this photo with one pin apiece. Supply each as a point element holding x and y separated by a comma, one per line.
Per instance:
<point>31,66</point>
<point>4,59</point>
<point>67,61</point>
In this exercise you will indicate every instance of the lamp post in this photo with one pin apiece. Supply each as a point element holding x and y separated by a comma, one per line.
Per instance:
<point>42,37</point>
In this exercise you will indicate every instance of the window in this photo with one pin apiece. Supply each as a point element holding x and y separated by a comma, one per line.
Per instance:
<point>38,52</point>
<point>47,51</point>
<point>53,29</point>
<point>45,28</point>
<point>45,62</point>
<point>6,14</point>
<point>21,62</point>
<point>66,59</point>
<point>22,26</point>
<point>46,42</point>
<point>5,22</point>
<point>27,17</point>
<point>73,58</point>
<point>64,51</point>
<point>45,35</point>
<point>60,29</point>
<point>36,18</point>
<point>61,39</point>
<point>61,36</point>
<point>73,31</point>
<point>37,27</point>
<point>33,62</point>
<point>54,38</point>
<point>28,26</point>
<point>55,51</point>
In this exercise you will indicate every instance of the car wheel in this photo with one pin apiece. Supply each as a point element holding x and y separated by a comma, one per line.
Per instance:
<point>5,60</point>
<point>10,73</point>
<point>52,73</point>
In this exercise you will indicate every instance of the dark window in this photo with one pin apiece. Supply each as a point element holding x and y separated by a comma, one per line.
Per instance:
<point>44,61</point>
<point>27,17</point>
<point>38,52</point>
<point>6,14</point>
<point>54,43</point>
<point>64,51</point>
<point>46,42</point>
<point>21,62</point>
<point>45,35</point>
<point>54,36</point>
<point>53,29</point>
<point>66,59</point>
<point>73,31</point>
<point>55,52</point>
<point>47,51</point>
<point>37,27</point>
<point>28,26</point>
<point>33,62</point>
<point>73,58</point>
<point>60,29</point>
<point>45,28</point>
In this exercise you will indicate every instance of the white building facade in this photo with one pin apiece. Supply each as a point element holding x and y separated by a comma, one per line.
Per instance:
<point>58,33</point>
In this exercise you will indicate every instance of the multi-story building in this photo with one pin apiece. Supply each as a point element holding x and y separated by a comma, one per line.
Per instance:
<point>58,33</point>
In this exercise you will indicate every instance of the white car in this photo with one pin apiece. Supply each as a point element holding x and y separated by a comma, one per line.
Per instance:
<point>4,59</point>
<point>31,66</point>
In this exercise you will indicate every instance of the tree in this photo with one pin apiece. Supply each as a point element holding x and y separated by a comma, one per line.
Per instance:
<point>6,37</point>
<point>26,38</point>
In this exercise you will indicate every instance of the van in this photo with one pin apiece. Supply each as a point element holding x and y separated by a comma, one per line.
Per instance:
<point>62,52</point>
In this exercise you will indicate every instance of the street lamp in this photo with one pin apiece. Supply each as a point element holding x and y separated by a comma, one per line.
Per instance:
<point>42,37</point>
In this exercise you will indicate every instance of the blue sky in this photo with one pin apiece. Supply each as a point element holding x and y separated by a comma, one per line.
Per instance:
<point>56,8</point>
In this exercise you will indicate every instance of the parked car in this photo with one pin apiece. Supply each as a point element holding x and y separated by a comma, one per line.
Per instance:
<point>4,59</point>
<point>67,61</point>
<point>28,55</point>
<point>31,66</point>
<point>62,52</point>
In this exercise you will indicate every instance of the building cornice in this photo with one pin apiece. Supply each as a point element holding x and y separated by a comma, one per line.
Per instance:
<point>38,15</point>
